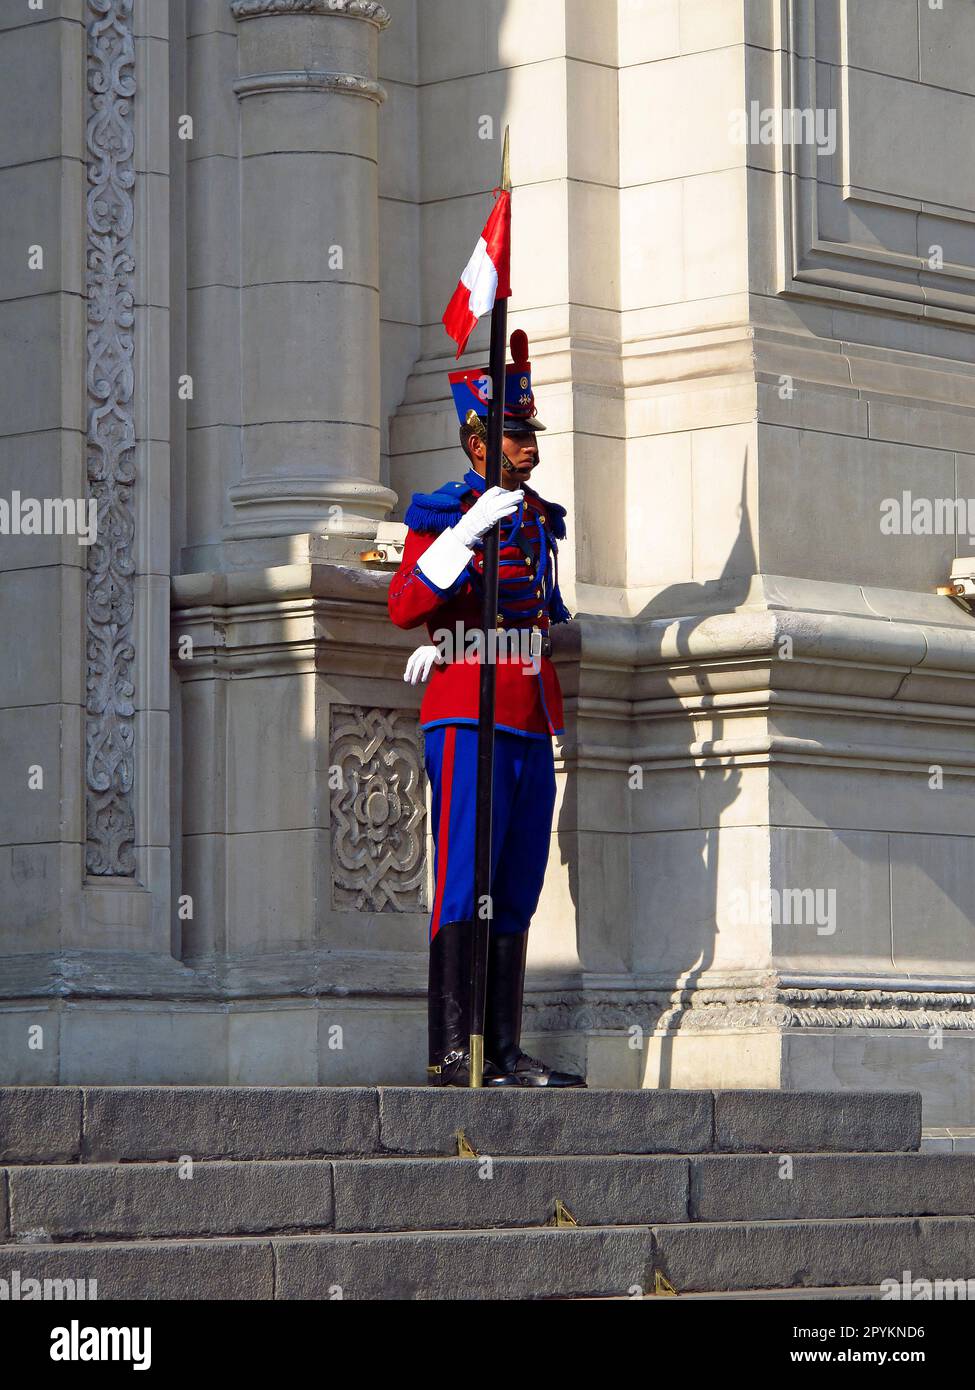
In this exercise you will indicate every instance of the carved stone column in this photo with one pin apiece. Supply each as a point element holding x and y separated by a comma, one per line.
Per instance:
<point>310,275</point>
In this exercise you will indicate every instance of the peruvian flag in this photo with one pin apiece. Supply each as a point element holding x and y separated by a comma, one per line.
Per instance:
<point>486,278</point>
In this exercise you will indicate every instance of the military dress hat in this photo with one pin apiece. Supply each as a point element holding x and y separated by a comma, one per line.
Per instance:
<point>471,388</point>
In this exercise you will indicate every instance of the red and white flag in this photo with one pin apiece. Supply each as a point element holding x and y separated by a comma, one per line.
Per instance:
<point>486,278</point>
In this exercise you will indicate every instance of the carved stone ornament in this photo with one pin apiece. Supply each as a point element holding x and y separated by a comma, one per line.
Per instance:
<point>770,1007</point>
<point>369,10</point>
<point>110,652</point>
<point>378,807</point>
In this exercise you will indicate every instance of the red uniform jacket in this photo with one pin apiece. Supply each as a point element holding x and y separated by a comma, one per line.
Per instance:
<point>529,699</point>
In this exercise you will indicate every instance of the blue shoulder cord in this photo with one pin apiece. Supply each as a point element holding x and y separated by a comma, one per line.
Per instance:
<point>545,576</point>
<point>504,540</point>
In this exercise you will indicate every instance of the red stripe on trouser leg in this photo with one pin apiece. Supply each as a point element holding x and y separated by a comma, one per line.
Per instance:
<point>443,831</point>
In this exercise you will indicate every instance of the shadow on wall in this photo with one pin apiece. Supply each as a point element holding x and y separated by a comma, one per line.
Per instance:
<point>687,944</point>
<point>860,865</point>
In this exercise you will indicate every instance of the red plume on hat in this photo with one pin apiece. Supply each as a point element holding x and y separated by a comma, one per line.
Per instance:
<point>519,399</point>
<point>519,350</point>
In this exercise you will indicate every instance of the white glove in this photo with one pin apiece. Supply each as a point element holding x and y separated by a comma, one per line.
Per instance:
<point>420,664</point>
<point>489,508</point>
<point>447,558</point>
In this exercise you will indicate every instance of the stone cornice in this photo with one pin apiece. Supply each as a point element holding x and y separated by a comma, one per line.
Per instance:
<point>880,657</point>
<point>283,619</point>
<point>765,751</point>
<point>665,362</point>
<point>731,1010</point>
<point>369,10</point>
<point>308,80</point>
<point>354,977</point>
<point>281,584</point>
<point>319,973</point>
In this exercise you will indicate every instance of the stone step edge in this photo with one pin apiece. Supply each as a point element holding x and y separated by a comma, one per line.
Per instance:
<point>256,1161</point>
<point>270,1237</point>
<point>285,1233</point>
<point>306,1196</point>
<point>866,1292</point>
<point>138,1123</point>
<point>252,1160</point>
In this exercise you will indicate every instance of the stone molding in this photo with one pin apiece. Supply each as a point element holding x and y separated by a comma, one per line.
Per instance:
<point>279,583</point>
<point>361,496</point>
<point>345,83</point>
<point>715,358</point>
<point>369,10</point>
<point>352,978</point>
<point>771,1007</point>
<point>110,644</point>
<point>878,655</point>
<point>832,1008</point>
<point>884,674</point>
<point>684,692</point>
<point>322,617</point>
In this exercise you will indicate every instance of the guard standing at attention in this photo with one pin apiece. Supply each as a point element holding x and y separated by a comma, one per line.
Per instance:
<point>439,584</point>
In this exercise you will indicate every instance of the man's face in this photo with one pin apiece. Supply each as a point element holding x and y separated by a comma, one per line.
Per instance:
<point>520,458</point>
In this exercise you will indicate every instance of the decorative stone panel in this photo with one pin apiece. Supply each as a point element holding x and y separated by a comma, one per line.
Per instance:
<point>378,807</point>
<point>110,648</point>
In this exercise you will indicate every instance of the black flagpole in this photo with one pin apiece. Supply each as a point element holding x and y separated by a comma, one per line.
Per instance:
<point>483,908</point>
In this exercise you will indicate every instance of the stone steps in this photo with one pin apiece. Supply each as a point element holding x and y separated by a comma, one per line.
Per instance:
<point>504,1264</point>
<point>54,1202</point>
<point>301,1193</point>
<point>65,1124</point>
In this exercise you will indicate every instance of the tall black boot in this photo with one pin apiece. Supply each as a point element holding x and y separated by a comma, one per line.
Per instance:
<point>509,1066</point>
<point>448,1005</point>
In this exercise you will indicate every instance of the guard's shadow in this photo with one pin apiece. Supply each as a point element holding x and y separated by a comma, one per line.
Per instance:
<point>674,845</point>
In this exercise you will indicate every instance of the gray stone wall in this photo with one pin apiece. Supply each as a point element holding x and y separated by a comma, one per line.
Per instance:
<point>748,339</point>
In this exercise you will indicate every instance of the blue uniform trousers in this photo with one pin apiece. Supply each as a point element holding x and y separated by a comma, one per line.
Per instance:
<point>524,803</point>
